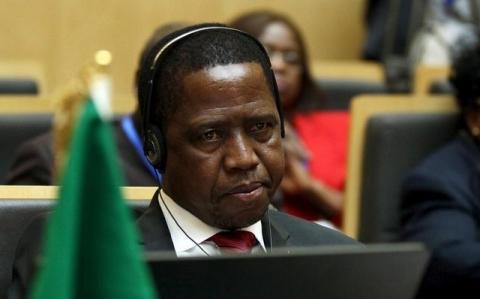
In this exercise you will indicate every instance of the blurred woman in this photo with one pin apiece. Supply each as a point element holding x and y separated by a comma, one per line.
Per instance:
<point>315,138</point>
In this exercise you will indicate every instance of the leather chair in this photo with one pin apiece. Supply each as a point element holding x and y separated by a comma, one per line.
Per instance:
<point>15,129</point>
<point>441,87</point>
<point>363,109</point>
<point>394,144</point>
<point>340,92</point>
<point>15,215</point>
<point>18,86</point>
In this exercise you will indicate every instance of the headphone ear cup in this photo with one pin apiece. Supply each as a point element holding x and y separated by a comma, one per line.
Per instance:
<point>154,148</point>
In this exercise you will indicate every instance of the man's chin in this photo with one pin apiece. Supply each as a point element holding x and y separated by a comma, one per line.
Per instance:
<point>241,220</point>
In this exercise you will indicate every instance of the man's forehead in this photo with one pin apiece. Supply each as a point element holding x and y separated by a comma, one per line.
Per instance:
<point>224,87</point>
<point>247,79</point>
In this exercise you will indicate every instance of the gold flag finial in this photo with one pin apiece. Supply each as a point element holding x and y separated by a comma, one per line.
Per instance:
<point>103,57</point>
<point>70,100</point>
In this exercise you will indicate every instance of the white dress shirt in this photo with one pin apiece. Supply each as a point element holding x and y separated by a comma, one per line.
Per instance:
<point>185,227</point>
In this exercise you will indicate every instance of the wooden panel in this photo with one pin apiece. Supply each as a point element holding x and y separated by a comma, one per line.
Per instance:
<point>332,29</point>
<point>62,35</point>
<point>426,75</point>
<point>348,69</point>
<point>34,104</point>
<point>362,109</point>
<point>50,192</point>
<point>26,36</point>
<point>24,104</point>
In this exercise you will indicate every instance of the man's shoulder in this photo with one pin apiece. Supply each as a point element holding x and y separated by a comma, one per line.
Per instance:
<point>40,143</point>
<point>451,166</point>
<point>305,233</point>
<point>33,162</point>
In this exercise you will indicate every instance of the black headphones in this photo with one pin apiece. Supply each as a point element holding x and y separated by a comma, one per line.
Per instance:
<point>154,142</point>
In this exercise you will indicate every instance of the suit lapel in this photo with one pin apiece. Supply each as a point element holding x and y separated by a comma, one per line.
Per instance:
<point>274,234</point>
<point>153,228</point>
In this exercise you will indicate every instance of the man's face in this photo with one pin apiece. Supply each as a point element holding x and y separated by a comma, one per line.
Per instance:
<point>225,157</point>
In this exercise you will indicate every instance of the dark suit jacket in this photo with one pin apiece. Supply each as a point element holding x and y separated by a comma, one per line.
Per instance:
<point>34,162</point>
<point>279,230</point>
<point>441,207</point>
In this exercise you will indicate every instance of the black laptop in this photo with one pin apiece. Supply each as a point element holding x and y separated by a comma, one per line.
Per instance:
<point>386,271</point>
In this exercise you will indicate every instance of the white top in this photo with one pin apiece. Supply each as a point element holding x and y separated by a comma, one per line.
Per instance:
<point>197,230</point>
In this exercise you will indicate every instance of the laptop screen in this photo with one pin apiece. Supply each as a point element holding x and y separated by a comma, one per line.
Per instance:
<point>374,271</point>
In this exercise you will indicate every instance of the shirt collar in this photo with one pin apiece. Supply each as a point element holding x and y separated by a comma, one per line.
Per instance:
<point>182,224</point>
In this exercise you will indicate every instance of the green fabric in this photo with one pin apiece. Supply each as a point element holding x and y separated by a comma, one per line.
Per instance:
<point>92,249</point>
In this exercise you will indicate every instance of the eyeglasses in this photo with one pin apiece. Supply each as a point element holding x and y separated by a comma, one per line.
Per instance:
<point>289,56</point>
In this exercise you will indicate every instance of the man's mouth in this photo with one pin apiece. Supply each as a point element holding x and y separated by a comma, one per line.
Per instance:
<point>247,191</point>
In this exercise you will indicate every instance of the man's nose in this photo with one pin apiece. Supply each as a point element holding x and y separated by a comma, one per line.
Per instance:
<point>240,153</point>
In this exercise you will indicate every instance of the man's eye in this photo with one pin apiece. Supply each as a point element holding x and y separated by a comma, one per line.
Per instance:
<point>262,130</point>
<point>260,126</point>
<point>210,135</point>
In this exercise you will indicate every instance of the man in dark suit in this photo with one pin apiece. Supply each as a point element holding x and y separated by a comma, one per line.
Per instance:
<point>441,197</point>
<point>34,161</point>
<point>213,126</point>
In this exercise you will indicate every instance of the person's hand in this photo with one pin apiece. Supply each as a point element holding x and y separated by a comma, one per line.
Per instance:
<point>296,178</point>
<point>293,145</point>
<point>298,181</point>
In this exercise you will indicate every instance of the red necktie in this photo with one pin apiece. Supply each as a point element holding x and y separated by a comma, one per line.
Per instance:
<point>238,241</point>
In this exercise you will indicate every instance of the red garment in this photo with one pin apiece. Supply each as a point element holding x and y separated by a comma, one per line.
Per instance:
<point>325,135</point>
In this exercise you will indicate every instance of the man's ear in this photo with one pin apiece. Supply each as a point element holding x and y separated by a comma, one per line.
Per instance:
<point>472,118</point>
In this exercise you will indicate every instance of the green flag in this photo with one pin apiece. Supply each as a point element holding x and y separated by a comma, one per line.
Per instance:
<point>92,250</point>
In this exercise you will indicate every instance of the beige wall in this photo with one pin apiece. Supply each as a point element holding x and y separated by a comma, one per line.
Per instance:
<point>63,34</point>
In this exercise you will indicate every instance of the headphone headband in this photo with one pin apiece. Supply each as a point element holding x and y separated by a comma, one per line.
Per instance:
<point>181,36</point>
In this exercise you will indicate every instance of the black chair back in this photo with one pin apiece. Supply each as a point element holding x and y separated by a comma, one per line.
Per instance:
<point>339,93</point>
<point>18,86</point>
<point>14,130</point>
<point>15,216</point>
<point>394,145</point>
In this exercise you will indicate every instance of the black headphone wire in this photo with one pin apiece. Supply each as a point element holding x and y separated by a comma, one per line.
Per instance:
<point>179,226</point>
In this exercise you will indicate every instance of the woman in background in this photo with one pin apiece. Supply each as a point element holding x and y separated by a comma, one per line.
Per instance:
<point>315,141</point>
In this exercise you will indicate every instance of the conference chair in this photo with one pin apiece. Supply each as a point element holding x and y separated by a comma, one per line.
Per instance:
<point>388,136</point>
<point>340,92</point>
<point>18,86</point>
<point>426,75</point>
<point>440,87</point>
<point>348,70</point>
<point>19,205</point>
<point>24,117</point>
<point>22,77</point>
<point>15,129</point>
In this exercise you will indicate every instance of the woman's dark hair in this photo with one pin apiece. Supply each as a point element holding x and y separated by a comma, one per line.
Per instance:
<point>255,23</point>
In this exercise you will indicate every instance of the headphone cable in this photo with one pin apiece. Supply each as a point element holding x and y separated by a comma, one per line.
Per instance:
<point>179,226</point>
